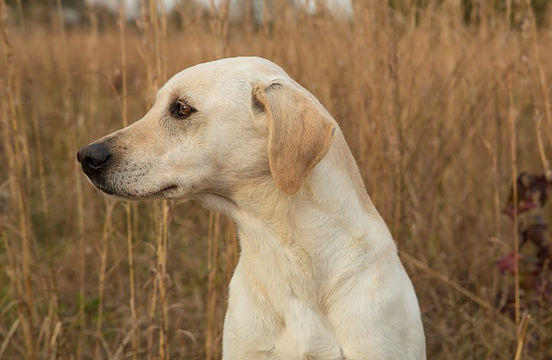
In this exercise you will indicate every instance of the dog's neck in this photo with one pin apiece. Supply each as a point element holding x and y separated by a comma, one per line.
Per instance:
<point>332,206</point>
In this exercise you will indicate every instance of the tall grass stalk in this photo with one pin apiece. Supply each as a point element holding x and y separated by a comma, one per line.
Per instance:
<point>543,83</point>
<point>22,278</point>
<point>514,164</point>
<point>127,205</point>
<point>522,335</point>
<point>68,121</point>
<point>104,246</point>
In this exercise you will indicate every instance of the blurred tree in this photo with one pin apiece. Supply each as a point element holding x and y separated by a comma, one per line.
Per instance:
<point>540,8</point>
<point>471,8</point>
<point>29,3</point>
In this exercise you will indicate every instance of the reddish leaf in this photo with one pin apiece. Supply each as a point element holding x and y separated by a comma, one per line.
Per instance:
<point>508,262</point>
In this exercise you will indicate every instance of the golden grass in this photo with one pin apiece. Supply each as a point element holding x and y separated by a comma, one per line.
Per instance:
<point>440,116</point>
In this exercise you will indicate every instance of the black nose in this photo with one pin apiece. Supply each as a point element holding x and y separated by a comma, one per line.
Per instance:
<point>94,157</point>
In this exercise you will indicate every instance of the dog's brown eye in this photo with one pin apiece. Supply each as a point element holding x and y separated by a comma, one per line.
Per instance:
<point>181,110</point>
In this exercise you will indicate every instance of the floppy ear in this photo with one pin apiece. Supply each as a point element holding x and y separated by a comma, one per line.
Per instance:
<point>299,133</point>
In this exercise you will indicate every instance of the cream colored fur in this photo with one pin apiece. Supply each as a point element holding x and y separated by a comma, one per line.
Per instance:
<point>318,275</point>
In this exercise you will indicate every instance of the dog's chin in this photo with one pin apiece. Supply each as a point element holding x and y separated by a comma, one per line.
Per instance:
<point>167,191</point>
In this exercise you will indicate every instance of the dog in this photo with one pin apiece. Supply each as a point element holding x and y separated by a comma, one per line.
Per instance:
<point>318,275</point>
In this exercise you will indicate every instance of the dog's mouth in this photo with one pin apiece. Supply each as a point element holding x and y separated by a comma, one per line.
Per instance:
<point>162,192</point>
<point>167,189</point>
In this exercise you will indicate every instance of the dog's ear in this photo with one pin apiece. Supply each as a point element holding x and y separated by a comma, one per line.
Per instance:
<point>299,135</point>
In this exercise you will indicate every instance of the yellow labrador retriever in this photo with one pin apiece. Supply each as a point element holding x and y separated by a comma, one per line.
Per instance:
<point>318,275</point>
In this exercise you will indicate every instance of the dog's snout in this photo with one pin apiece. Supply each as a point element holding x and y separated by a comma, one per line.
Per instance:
<point>94,157</point>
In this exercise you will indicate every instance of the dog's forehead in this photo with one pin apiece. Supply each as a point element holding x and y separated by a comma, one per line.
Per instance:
<point>230,71</point>
<point>244,65</point>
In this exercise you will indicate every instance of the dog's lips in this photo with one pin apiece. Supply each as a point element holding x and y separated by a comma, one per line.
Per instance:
<point>130,195</point>
<point>168,188</point>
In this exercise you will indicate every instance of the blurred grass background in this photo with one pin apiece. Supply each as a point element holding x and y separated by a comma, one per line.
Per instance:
<point>434,98</point>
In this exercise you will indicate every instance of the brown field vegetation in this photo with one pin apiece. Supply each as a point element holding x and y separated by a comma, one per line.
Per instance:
<point>433,107</point>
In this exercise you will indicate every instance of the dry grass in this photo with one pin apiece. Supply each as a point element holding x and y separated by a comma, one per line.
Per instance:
<point>431,107</point>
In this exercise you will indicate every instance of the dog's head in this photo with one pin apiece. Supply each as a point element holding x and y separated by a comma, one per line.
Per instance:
<point>212,127</point>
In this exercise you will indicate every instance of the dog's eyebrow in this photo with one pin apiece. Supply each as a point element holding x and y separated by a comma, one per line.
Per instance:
<point>176,95</point>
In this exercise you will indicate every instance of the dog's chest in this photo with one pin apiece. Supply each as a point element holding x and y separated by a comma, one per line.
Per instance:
<point>286,302</point>
<point>287,326</point>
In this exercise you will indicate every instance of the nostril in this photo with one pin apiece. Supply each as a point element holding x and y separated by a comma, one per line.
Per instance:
<point>94,156</point>
<point>96,162</point>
